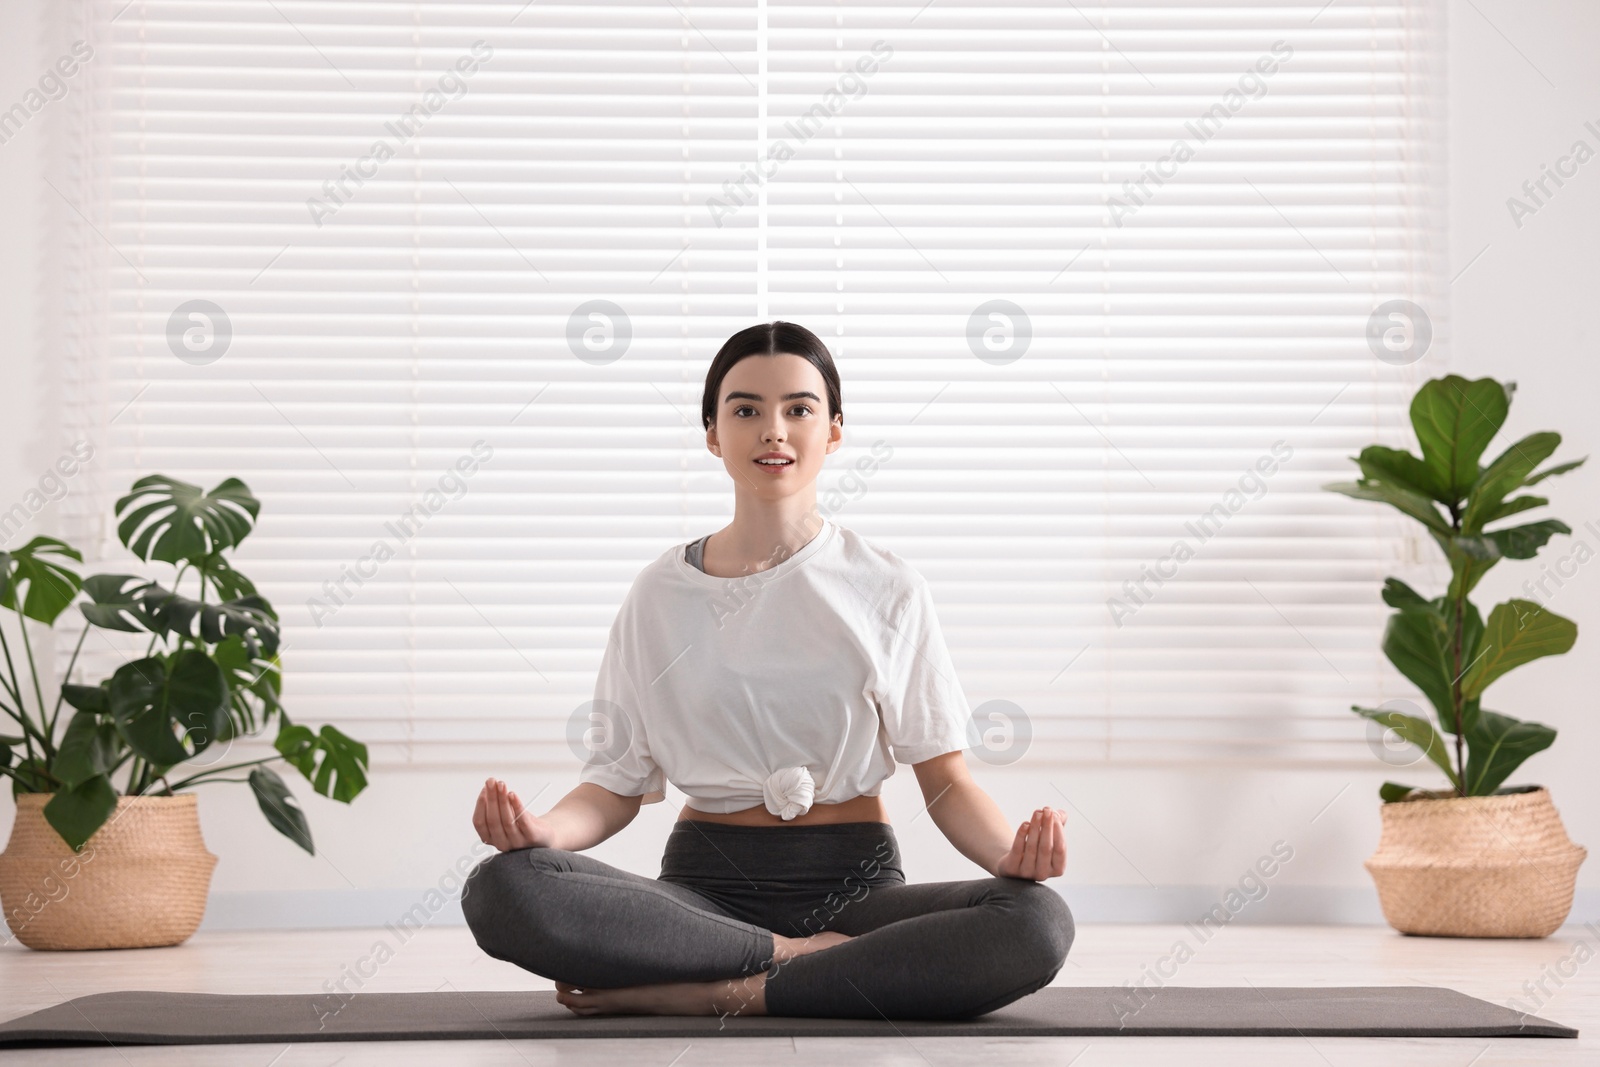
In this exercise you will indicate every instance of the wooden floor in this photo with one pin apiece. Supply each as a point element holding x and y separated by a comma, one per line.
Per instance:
<point>301,961</point>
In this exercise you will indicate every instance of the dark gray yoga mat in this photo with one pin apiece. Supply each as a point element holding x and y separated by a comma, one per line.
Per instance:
<point>146,1017</point>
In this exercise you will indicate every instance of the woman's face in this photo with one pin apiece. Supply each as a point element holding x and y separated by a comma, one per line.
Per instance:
<point>773,406</point>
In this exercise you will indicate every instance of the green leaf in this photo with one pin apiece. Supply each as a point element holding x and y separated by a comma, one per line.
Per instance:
<point>137,705</point>
<point>1514,505</point>
<point>1471,634</point>
<point>115,605</point>
<point>1470,559</point>
<point>1398,468</point>
<point>89,749</point>
<point>1476,546</point>
<point>1398,594</point>
<point>1559,468</point>
<point>148,606</point>
<point>250,617</point>
<point>1472,623</point>
<point>281,808</point>
<point>1499,744</point>
<point>228,583</point>
<point>167,519</point>
<point>1454,421</point>
<point>1416,642</point>
<point>249,676</point>
<point>151,697</point>
<point>1419,732</point>
<point>1524,542</point>
<point>1505,474</point>
<point>1517,632</point>
<point>30,776</point>
<point>78,812</point>
<point>197,698</point>
<point>92,698</point>
<point>1394,791</point>
<point>341,773</point>
<point>51,586</point>
<point>1416,505</point>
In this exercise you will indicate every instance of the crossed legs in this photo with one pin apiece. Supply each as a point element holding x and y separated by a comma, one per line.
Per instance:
<point>931,950</point>
<point>614,941</point>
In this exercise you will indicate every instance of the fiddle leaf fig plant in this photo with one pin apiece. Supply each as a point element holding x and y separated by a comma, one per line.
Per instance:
<point>211,673</point>
<point>1443,644</point>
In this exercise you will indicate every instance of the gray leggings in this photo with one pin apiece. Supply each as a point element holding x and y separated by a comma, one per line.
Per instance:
<point>937,950</point>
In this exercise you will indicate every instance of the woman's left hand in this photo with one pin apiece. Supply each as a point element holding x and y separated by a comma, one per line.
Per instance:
<point>1040,848</point>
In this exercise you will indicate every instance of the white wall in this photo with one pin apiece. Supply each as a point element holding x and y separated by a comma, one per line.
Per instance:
<point>20,63</point>
<point>1526,309</point>
<point>1145,844</point>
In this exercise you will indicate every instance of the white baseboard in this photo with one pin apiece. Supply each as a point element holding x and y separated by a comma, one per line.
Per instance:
<point>1284,904</point>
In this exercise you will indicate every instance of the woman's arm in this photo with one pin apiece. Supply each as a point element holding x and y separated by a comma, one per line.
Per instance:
<point>581,819</point>
<point>974,824</point>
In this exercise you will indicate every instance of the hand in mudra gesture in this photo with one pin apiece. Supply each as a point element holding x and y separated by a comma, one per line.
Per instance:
<point>503,822</point>
<point>1040,848</point>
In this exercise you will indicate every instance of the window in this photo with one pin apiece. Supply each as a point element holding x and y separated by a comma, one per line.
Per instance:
<point>1098,280</point>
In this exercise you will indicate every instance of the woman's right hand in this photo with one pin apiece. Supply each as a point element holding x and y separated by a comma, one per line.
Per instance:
<point>503,822</point>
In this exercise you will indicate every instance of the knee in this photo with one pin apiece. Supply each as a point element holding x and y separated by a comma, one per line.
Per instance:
<point>497,892</point>
<point>1045,929</point>
<point>484,893</point>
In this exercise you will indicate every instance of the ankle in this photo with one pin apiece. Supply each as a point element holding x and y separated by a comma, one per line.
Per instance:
<point>783,949</point>
<point>741,996</point>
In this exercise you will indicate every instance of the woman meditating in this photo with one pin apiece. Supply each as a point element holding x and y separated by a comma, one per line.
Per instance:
<point>774,671</point>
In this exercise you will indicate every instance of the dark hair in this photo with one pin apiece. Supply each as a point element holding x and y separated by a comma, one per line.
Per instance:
<point>770,339</point>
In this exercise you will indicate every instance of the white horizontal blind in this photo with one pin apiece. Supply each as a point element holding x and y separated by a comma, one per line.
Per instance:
<point>386,313</point>
<point>1192,209</point>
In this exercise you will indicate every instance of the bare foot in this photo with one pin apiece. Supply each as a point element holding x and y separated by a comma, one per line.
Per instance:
<point>728,996</point>
<point>786,948</point>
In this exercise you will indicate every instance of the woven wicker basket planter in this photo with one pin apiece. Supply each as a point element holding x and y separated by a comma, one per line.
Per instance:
<point>140,882</point>
<point>1494,866</point>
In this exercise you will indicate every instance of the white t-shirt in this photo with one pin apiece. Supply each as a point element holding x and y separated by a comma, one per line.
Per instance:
<point>788,687</point>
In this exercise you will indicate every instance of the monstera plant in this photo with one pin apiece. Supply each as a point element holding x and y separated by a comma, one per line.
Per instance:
<point>1443,644</point>
<point>209,675</point>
